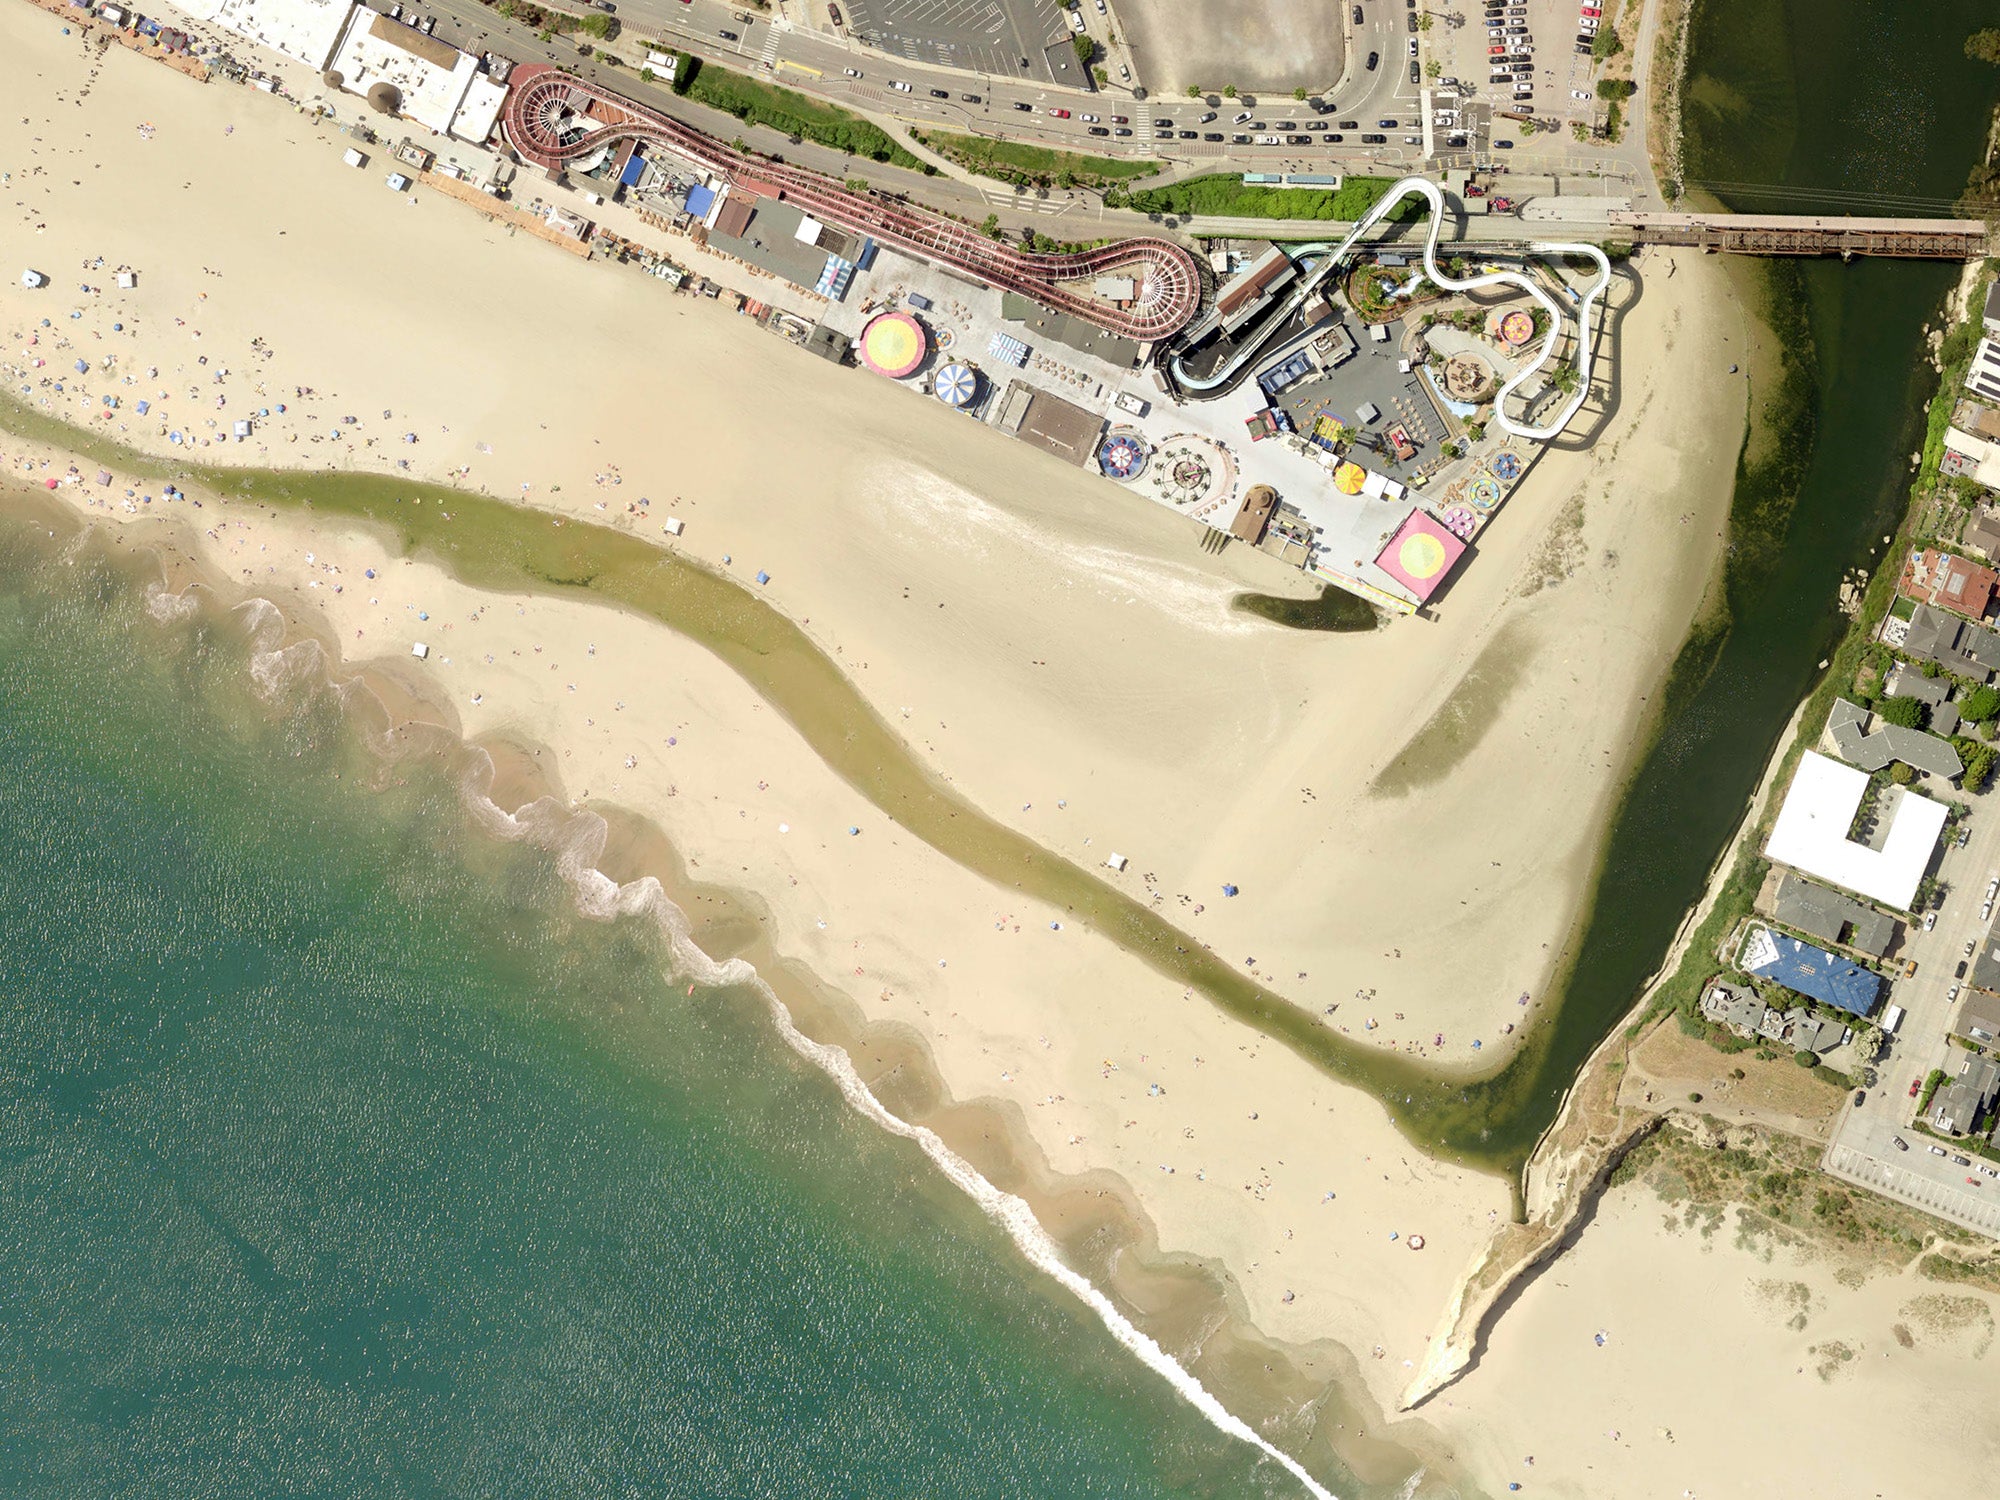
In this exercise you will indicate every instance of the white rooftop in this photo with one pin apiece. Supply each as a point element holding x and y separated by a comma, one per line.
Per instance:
<point>1811,833</point>
<point>431,76</point>
<point>302,29</point>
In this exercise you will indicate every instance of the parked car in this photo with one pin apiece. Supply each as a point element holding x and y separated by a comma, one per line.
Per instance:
<point>1860,1097</point>
<point>1060,114</point>
<point>1350,124</point>
<point>1916,1087</point>
<point>1899,1143</point>
<point>1332,140</point>
<point>1503,145</point>
<point>1213,135</point>
<point>1120,120</point>
<point>1357,15</point>
<point>1935,1150</point>
<point>1122,130</point>
<point>1960,1161</point>
<point>1099,130</point>
<point>1416,71</point>
<point>1386,124</point>
<point>1374,140</point>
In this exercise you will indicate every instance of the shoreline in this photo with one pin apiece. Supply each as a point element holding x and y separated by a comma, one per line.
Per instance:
<point>1130,727</point>
<point>510,793</point>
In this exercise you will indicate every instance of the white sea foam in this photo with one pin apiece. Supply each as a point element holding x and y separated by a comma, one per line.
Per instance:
<point>577,838</point>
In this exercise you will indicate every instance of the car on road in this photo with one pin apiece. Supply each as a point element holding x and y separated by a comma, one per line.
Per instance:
<point>901,88</point>
<point>852,72</point>
<point>730,36</point>
<point>1099,130</point>
<point>1088,119</point>
<point>1060,114</point>
<point>1206,118</point>
<point>1456,142</point>
<point>1374,59</point>
<point>1413,25</point>
<point>1357,15</point>
<point>1024,107</point>
<point>1935,1150</point>
<point>971,98</point>
<point>1503,145</point>
<point>1899,1143</point>
<point>1860,1097</point>
<point>1240,119</point>
<point>940,93</point>
<point>1930,920</point>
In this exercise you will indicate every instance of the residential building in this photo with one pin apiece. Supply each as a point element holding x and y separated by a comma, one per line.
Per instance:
<point>1861,739</point>
<point>1827,915</point>
<point>1907,681</point>
<point>1820,807</point>
<point>1810,971</point>
<point>1977,1018</point>
<point>1982,532</point>
<point>1950,581</point>
<point>1983,379</point>
<point>1734,1006</point>
<point>1957,1106</point>
<point>1957,645</point>
<point>1986,965</point>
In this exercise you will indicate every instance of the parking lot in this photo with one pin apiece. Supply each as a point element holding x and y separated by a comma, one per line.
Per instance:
<point>1533,45</point>
<point>982,36</point>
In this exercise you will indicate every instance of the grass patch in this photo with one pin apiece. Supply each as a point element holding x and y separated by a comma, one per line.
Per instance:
<point>1334,609</point>
<point>1226,196</point>
<point>1035,166</point>
<point>756,103</point>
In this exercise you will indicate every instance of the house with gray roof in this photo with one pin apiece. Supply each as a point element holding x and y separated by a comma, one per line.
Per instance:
<point>1982,532</point>
<point>1861,739</point>
<point>1908,681</point>
<point>1960,1103</point>
<point>1978,1018</point>
<point>1731,1005</point>
<point>1818,912</point>
<point>1986,964</point>
<point>1956,645</point>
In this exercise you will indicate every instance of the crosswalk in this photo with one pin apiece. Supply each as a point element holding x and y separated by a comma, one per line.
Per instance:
<point>769,56</point>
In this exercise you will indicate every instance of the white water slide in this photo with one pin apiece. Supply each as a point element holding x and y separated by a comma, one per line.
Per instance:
<point>1432,194</point>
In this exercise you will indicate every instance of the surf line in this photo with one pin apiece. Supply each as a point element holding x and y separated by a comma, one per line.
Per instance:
<point>578,837</point>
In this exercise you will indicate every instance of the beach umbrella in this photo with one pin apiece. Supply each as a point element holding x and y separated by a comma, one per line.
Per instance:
<point>83,367</point>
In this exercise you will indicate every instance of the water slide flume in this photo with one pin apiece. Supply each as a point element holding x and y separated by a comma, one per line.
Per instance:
<point>1432,194</point>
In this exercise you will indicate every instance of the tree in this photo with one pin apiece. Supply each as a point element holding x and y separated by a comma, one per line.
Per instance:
<point>990,227</point>
<point>599,25</point>
<point>1981,704</point>
<point>1432,69</point>
<point>1194,91</point>
<point>1978,761</point>
<point>1085,49</point>
<point>1806,1059</point>
<point>1984,46</point>
<point>1299,93</point>
<point>1616,88</point>
<point>1229,91</point>
<point>1901,774</point>
<point>1605,45</point>
<point>1908,712</point>
<point>1424,22</point>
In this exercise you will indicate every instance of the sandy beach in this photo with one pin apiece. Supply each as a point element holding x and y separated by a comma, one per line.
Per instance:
<point>1412,816</point>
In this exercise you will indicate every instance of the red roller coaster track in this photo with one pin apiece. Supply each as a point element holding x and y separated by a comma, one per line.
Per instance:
<point>553,117</point>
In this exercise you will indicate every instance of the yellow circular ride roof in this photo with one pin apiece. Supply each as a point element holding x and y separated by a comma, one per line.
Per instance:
<point>1421,555</point>
<point>893,344</point>
<point>1349,478</point>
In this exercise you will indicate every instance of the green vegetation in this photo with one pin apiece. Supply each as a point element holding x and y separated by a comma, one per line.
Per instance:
<point>1334,609</point>
<point>1299,94</point>
<point>1616,88</point>
<point>1979,705</point>
<point>1978,757</point>
<point>1194,91</point>
<point>1226,196</point>
<point>1932,1081</point>
<point>599,25</point>
<point>1605,45</point>
<point>1035,166</point>
<point>1229,91</point>
<point>1937,1267</point>
<point>1984,46</point>
<point>1907,712</point>
<point>756,103</point>
<point>1085,49</point>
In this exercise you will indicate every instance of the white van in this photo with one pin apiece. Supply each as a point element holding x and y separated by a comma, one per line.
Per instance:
<point>1891,1019</point>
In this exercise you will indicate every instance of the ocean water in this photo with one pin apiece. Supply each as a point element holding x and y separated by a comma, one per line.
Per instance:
<point>340,1157</point>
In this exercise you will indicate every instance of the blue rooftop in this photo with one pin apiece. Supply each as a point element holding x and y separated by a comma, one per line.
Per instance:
<point>1813,972</point>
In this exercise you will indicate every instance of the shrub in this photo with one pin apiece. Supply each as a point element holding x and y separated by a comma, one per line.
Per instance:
<point>1806,1059</point>
<point>1907,712</point>
<point>1616,88</point>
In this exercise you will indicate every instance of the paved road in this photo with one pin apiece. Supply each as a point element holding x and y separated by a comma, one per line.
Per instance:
<point>817,62</point>
<point>1863,1148</point>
